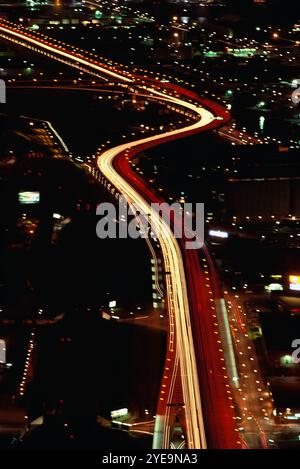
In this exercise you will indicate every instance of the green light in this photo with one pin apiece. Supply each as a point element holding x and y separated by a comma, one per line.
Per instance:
<point>262,122</point>
<point>261,104</point>
<point>246,52</point>
<point>98,14</point>
<point>210,53</point>
<point>286,360</point>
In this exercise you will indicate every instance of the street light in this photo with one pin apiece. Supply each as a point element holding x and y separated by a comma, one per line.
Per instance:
<point>261,104</point>
<point>262,122</point>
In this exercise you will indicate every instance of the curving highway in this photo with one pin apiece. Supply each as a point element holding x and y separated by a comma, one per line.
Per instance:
<point>194,348</point>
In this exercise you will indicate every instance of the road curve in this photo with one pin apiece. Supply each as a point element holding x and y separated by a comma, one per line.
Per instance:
<point>209,411</point>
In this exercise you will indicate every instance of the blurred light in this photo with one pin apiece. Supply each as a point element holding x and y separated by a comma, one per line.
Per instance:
<point>119,413</point>
<point>294,281</point>
<point>274,287</point>
<point>218,233</point>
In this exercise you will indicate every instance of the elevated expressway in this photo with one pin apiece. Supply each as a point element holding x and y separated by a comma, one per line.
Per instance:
<point>194,358</point>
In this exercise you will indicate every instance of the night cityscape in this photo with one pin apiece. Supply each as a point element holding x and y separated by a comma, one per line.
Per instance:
<point>150,227</point>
